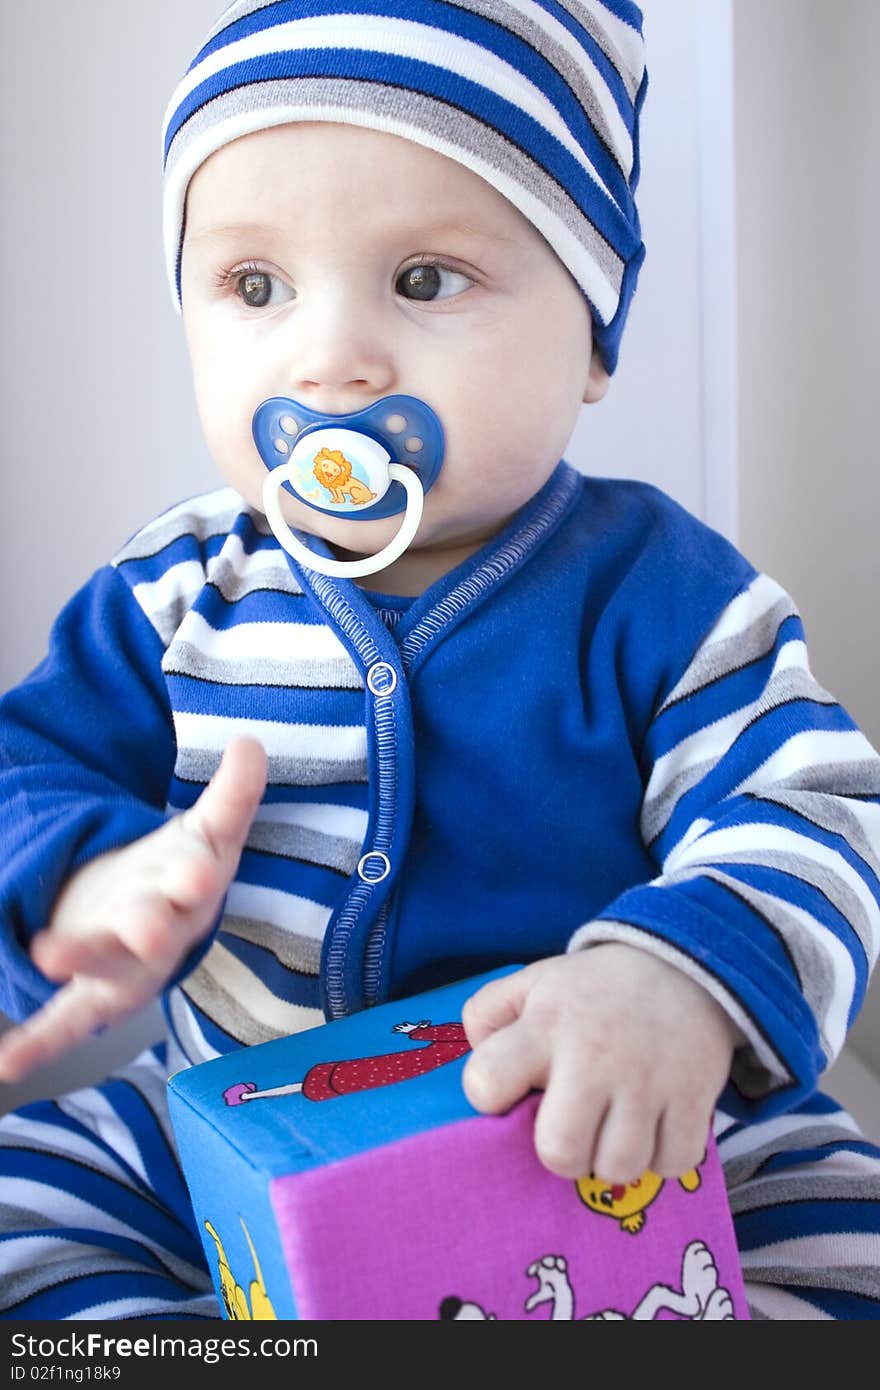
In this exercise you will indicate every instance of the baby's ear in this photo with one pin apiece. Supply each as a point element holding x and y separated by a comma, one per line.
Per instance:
<point>598,379</point>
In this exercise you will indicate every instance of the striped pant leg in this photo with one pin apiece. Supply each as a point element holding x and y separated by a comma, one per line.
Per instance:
<point>804,1192</point>
<point>95,1220</point>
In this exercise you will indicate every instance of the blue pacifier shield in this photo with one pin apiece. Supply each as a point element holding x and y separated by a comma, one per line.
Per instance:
<point>339,463</point>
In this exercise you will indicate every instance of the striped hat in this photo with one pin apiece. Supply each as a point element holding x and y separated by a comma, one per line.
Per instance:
<point>541,98</point>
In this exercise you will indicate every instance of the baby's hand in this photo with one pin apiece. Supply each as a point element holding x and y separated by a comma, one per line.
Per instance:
<point>122,924</point>
<point>630,1053</point>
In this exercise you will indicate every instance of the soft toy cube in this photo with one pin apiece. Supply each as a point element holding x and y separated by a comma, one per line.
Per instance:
<point>341,1174</point>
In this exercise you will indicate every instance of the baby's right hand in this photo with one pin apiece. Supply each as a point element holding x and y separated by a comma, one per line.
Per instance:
<point>123,923</point>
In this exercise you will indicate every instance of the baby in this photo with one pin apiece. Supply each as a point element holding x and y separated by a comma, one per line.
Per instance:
<point>277,770</point>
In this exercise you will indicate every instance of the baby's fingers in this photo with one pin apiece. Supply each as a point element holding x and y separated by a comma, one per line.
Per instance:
<point>77,1011</point>
<point>224,811</point>
<point>568,1122</point>
<point>682,1136</point>
<point>147,939</point>
<point>626,1142</point>
<point>503,1069</point>
<point>497,1004</point>
<point>61,954</point>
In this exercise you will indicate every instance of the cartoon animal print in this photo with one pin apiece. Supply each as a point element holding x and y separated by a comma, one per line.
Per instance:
<point>626,1202</point>
<point>333,471</point>
<point>454,1309</point>
<point>700,1298</point>
<point>235,1300</point>
<point>325,1080</point>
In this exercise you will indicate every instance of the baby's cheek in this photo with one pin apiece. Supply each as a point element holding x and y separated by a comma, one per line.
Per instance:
<point>226,408</point>
<point>242,473</point>
<point>234,454</point>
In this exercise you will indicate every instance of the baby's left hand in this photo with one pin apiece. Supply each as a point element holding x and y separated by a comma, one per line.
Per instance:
<point>630,1053</point>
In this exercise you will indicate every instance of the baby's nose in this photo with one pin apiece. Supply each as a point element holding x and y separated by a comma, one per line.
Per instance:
<point>339,357</point>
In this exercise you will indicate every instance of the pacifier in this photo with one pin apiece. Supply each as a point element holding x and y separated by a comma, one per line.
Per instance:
<point>371,464</point>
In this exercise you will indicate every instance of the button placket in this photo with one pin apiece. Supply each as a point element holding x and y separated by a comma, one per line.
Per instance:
<point>381,682</point>
<point>385,867</point>
<point>381,679</point>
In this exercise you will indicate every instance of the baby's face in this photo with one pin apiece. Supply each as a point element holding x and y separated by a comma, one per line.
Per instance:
<point>338,265</point>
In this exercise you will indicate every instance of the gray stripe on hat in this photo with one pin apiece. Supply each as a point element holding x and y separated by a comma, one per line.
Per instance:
<point>435,118</point>
<point>506,14</point>
<point>336,673</point>
<point>233,13</point>
<point>588,20</point>
<point>200,764</point>
<point>568,68</point>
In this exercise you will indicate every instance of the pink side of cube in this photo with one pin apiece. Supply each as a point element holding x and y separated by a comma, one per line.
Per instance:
<point>464,1222</point>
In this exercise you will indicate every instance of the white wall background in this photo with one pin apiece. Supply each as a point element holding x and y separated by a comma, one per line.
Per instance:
<point>99,428</point>
<point>808,207</point>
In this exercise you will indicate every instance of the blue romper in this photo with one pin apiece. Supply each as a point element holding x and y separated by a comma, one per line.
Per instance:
<point>601,726</point>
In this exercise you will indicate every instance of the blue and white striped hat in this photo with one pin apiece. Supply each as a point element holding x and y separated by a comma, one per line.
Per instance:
<point>541,98</point>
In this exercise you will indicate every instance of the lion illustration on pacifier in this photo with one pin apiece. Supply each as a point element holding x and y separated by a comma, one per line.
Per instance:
<point>333,471</point>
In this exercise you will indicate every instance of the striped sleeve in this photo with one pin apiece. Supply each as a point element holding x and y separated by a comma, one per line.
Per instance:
<point>762,813</point>
<point>86,752</point>
<point>87,741</point>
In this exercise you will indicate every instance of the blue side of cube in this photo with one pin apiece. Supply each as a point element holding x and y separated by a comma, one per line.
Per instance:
<point>234,1217</point>
<point>287,1134</point>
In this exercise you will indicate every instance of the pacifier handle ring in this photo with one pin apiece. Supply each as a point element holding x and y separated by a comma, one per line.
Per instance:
<point>344,569</point>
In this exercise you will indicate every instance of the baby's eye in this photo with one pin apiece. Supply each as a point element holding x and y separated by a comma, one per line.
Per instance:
<point>427,282</point>
<point>257,289</point>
